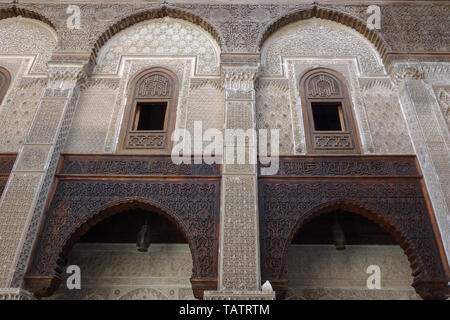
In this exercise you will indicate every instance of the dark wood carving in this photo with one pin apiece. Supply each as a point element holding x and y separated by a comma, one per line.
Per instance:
<point>6,165</point>
<point>79,202</point>
<point>136,165</point>
<point>306,188</point>
<point>348,166</point>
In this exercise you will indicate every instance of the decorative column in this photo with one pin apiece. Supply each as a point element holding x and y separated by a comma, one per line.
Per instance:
<point>239,266</point>
<point>29,184</point>
<point>430,143</point>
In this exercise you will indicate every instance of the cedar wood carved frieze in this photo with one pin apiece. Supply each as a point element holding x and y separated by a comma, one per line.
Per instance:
<point>305,187</point>
<point>348,166</point>
<point>136,165</point>
<point>79,202</point>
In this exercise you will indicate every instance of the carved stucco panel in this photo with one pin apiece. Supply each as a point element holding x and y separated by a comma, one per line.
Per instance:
<point>273,111</point>
<point>161,37</point>
<point>50,126</point>
<point>19,105</point>
<point>387,124</point>
<point>239,268</point>
<point>33,158</point>
<point>22,36</point>
<point>16,204</point>
<point>46,121</point>
<point>318,38</point>
<point>206,104</point>
<point>92,118</point>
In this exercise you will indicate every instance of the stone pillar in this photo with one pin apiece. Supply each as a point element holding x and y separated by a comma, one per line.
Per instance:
<point>419,105</point>
<point>239,266</point>
<point>30,181</point>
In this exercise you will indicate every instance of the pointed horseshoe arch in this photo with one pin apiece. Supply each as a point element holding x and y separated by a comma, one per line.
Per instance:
<point>160,12</point>
<point>79,205</point>
<point>328,14</point>
<point>397,207</point>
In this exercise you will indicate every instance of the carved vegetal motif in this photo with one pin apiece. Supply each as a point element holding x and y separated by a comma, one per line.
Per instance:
<point>397,205</point>
<point>77,204</point>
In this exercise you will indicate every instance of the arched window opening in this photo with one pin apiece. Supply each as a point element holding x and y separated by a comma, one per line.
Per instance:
<point>5,80</point>
<point>149,117</point>
<point>329,122</point>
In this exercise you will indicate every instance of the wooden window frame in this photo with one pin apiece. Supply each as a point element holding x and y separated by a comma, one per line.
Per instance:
<point>345,141</point>
<point>6,77</point>
<point>149,141</point>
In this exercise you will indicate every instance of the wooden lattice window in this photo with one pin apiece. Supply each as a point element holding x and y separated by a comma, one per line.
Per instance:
<point>149,116</point>
<point>328,118</point>
<point>5,80</point>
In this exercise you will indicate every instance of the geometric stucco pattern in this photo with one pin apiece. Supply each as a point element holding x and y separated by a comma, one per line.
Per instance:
<point>161,37</point>
<point>28,37</point>
<point>241,25</point>
<point>17,113</point>
<point>37,159</point>
<point>91,120</point>
<point>318,38</point>
<point>273,111</point>
<point>386,122</point>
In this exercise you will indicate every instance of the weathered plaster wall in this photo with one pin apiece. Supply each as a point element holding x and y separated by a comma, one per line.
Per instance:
<point>321,272</point>
<point>120,272</point>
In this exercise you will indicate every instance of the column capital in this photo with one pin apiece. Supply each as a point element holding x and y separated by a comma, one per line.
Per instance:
<point>66,74</point>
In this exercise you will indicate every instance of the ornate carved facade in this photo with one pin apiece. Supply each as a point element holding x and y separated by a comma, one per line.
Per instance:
<point>89,103</point>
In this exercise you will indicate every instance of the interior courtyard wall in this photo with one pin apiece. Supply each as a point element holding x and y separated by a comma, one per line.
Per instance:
<point>117,271</point>
<point>97,120</point>
<point>320,272</point>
